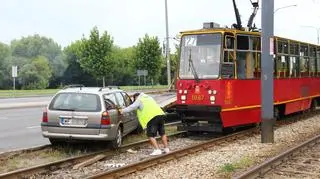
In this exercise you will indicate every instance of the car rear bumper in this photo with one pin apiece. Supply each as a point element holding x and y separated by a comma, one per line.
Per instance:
<point>82,134</point>
<point>76,136</point>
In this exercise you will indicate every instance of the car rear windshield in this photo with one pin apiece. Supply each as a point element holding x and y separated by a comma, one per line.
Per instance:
<point>76,102</point>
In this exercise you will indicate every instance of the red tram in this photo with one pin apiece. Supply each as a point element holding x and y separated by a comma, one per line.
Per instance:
<point>218,82</point>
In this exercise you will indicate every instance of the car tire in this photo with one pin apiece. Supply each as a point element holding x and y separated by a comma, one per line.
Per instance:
<point>117,142</point>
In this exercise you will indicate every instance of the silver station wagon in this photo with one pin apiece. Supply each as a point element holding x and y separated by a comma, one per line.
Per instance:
<point>88,113</point>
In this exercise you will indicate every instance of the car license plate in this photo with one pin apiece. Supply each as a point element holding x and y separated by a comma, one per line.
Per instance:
<point>73,122</point>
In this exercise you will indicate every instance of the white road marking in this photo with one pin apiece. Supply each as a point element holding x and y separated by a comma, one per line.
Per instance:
<point>32,127</point>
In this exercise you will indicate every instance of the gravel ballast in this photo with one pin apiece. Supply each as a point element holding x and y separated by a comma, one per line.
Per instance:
<point>235,157</point>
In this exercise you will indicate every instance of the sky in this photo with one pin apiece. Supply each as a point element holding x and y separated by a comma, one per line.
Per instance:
<point>126,21</point>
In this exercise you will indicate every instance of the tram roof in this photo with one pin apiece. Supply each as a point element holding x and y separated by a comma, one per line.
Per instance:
<point>236,31</point>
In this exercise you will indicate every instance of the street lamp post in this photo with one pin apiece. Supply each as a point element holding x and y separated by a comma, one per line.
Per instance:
<point>318,32</point>
<point>294,5</point>
<point>167,44</point>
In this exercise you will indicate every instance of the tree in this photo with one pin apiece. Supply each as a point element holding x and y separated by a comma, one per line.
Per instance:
<point>95,54</point>
<point>4,65</point>
<point>30,47</point>
<point>74,74</point>
<point>124,65</point>
<point>36,75</point>
<point>148,56</point>
<point>174,59</point>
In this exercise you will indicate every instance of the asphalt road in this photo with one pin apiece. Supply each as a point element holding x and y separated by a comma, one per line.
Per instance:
<point>20,128</point>
<point>25,99</point>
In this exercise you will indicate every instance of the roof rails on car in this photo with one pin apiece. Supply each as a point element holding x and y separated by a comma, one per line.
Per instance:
<point>74,86</point>
<point>109,87</point>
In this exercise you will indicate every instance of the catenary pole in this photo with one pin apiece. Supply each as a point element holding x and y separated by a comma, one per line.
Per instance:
<point>167,44</point>
<point>267,116</point>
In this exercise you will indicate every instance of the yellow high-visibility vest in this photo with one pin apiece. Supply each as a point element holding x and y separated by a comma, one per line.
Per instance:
<point>149,111</point>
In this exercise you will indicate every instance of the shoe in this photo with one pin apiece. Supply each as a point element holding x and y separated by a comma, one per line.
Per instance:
<point>156,152</point>
<point>166,150</point>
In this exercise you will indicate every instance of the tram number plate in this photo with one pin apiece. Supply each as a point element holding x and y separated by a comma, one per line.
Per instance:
<point>197,97</point>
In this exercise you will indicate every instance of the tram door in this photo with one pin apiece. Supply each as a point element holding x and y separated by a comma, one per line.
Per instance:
<point>228,69</point>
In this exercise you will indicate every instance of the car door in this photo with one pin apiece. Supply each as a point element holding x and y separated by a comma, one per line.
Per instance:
<point>110,103</point>
<point>125,117</point>
<point>134,123</point>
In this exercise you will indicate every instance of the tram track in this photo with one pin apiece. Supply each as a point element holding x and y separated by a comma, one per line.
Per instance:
<point>301,161</point>
<point>175,155</point>
<point>25,172</point>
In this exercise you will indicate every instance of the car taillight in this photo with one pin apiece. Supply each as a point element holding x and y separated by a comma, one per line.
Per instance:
<point>45,116</point>
<point>105,119</point>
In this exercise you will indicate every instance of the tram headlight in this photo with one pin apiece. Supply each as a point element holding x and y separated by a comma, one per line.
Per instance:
<point>180,91</point>
<point>183,97</point>
<point>212,98</point>
<point>214,91</point>
<point>209,91</point>
<point>185,91</point>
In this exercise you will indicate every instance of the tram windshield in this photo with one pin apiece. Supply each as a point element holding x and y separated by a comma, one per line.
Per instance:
<point>200,56</point>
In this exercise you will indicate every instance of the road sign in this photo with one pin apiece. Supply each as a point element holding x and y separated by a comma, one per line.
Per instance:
<point>142,72</point>
<point>14,71</point>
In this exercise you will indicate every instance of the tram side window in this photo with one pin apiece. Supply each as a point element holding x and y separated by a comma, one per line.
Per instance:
<point>241,65</point>
<point>294,60</point>
<point>304,61</point>
<point>242,42</point>
<point>312,61</point>
<point>256,45</point>
<point>282,66</point>
<point>293,67</point>
<point>283,47</point>
<point>246,61</point>
<point>282,59</point>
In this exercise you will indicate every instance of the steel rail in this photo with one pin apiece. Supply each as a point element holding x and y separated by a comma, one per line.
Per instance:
<point>23,173</point>
<point>260,170</point>
<point>152,161</point>
<point>126,170</point>
<point>47,146</point>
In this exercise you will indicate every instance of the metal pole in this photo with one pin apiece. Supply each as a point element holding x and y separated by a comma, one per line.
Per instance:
<point>267,133</point>
<point>318,31</point>
<point>14,83</point>
<point>167,45</point>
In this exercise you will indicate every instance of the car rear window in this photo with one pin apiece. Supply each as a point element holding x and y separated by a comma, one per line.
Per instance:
<point>76,102</point>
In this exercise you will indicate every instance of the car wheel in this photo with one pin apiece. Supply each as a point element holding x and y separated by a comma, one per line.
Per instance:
<point>116,143</point>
